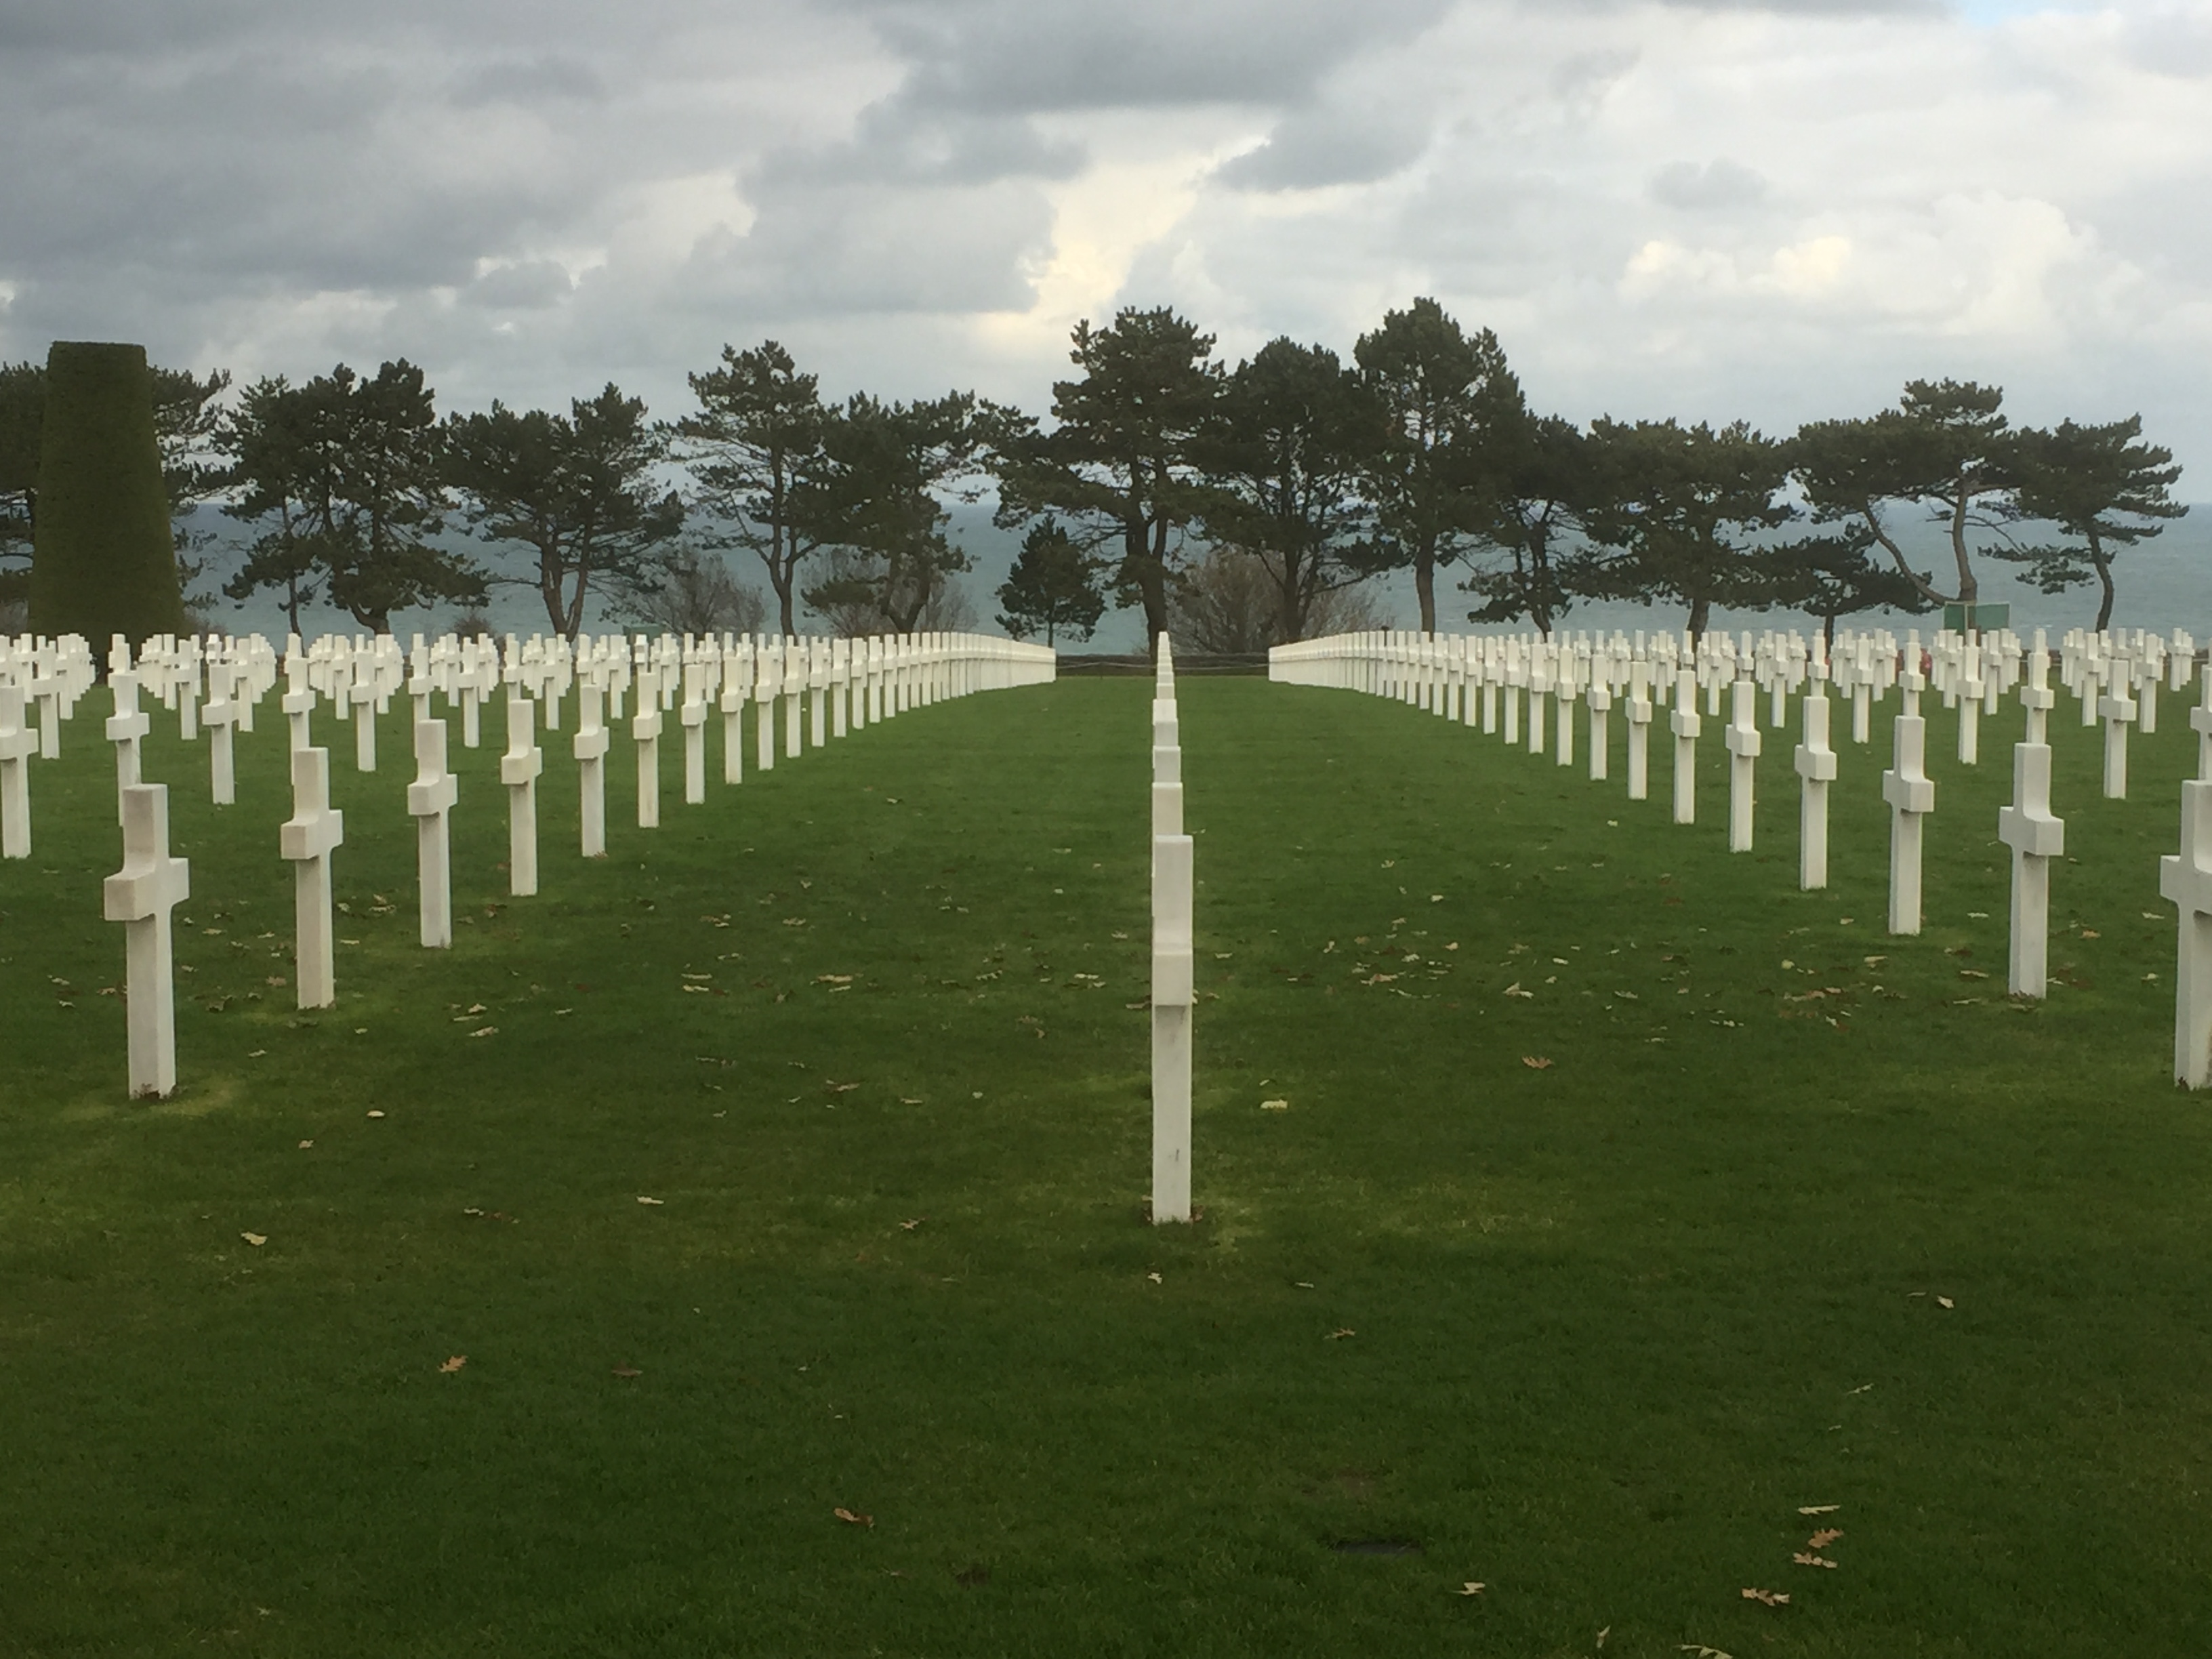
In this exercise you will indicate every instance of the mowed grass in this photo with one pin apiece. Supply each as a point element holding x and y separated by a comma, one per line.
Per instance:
<point>1590,1335</point>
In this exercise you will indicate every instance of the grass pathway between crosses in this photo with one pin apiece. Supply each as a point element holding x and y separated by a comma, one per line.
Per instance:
<point>1797,1216</point>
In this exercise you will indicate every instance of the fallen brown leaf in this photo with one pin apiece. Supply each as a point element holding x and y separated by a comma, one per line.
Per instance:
<point>1817,1508</point>
<point>851,1519</point>
<point>454,1364</point>
<point>1337,1335</point>
<point>628,1370</point>
<point>1822,1539</point>
<point>917,1222</point>
<point>1806,1559</point>
<point>1945,1302</point>
<point>1767,1597</point>
<point>255,1239</point>
<point>1536,1062</point>
<point>1471,1588</point>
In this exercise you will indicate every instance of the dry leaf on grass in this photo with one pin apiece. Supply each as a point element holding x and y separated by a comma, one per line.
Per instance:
<point>454,1364</point>
<point>489,1031</point>
<point>852,1518</point>
<point>1945,1302</point>
<point>1768,1598</point>
<point>255,1239</point>
<point>628,1370</point>
<point>305,1145</point>
<point>1806,1559</point>
<point>374,1113</point>
<point>1536,1062</point>
<point>1472,1587</point>
<point>917,1222</point>
<point>1156,1279</point>
<point>1822,1539</point>
<point>1339,1335</point>
<point>651,1201</point>
<point>1274,1105</point>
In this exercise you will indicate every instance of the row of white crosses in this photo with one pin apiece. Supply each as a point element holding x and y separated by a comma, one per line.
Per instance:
<point>2115,678</point>
<point>881,678</point>
<point>1174,975</point>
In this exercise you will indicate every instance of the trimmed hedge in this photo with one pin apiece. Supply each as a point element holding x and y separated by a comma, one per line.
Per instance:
<point>103,562</point>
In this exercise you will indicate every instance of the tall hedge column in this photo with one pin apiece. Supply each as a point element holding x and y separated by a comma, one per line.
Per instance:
<point>103,562</point>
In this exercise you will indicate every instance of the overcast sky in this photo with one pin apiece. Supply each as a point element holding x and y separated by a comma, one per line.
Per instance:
<point>1777,211</point>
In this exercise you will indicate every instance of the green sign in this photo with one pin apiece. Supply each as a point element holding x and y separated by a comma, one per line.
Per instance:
<point>1977,618</point>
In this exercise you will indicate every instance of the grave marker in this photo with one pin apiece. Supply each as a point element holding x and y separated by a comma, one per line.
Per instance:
<point>430,800</point>
<point>150,884</point>
<point>1687,723</point>
<point>125,729</point>
<point>1743,740</point>
<point>221,719</point>
<point>1912,797</point>
<point>2035,838</point>
<point>519,769</point>
<point>307,839</point>
<point>1816,766</point>
<point>2186,879</point>
<point>645,730</point>
<point>590,746</point>
<point>17,745</point>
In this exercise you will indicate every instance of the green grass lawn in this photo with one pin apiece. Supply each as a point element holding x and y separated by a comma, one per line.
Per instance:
<point>1798,1215</point>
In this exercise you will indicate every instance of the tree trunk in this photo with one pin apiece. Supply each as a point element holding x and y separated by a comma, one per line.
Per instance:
<point>1897,557</point>
<point>1701,611</point>
<point>1425,585</point>
<point>1969,590</point>
<point>1151,561</point>
<point>2098,558</point>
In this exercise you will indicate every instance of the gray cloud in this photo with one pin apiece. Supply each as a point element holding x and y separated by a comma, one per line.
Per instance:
<point>526,80</point>
<point>1035,55</point>
<point>1719,183</point>
<point>1327,146</point>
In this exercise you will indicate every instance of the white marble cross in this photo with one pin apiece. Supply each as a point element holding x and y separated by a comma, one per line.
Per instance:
<point>2117,710</point>
<point>2200,720</point>
<point>17,745</point>
<point>1968,685</point>
<point>1688,723</point>
<point>430,800</point>
<point>1912,797</point>
<point>1600,706</point>
<point>2186,879</point>
<point>817,686</point>
<point>693,715</point>
<point>2035,838</point>
<point>363,695</point>
<point>1565,690</point>
<point>645,729</point>
<point>1167,768</point>
<point>1816,767</point>
<point>140,895</point>
<point>46,690</point>
<point>519,769</point>
<point>735,688</point>
<point>221,719</point>
<point>1743,741</point>
<point>1639,729</point>
<point>299,704</point>
<point>315,831</point>
<point>590,746</point>
<point>794,695</point>
<point>768,670</point>
<point>1173,996</point>
<point>126,728</point>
